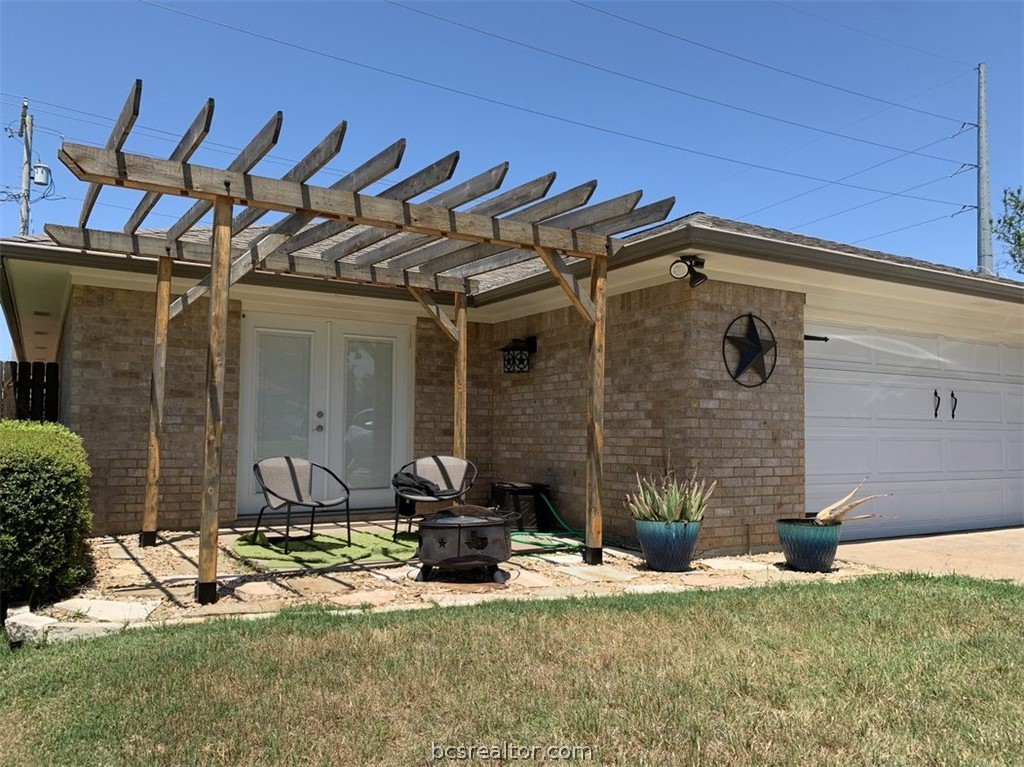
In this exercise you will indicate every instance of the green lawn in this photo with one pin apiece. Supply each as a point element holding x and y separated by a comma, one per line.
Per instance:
<point>883,671</point>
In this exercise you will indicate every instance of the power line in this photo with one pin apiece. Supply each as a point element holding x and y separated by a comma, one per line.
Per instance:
<point>910,226</point>
<point>871,34</point>
<point>662,86</point>
<point>761,64</point>
<point>881,199</point>
<point>529,110</point>
<point>844,178</point>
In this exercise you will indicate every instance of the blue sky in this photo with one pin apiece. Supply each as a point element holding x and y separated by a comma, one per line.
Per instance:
<point>680,99</point>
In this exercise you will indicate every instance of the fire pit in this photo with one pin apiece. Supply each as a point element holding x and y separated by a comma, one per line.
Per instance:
<point>464,537</point>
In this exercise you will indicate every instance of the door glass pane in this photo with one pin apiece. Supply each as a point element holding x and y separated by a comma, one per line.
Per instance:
<point>282,394</point>
<point>369,371</point>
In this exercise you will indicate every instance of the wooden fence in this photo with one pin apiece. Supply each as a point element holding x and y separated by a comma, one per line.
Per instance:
<point>30,391</point>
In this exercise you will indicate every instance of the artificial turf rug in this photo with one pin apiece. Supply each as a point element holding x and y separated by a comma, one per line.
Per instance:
<point>324,551</point>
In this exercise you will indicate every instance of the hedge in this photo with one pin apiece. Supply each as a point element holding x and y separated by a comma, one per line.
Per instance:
<point>44,512</point>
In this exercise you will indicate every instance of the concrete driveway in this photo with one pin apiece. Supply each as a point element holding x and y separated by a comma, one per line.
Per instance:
<point>995,554</point>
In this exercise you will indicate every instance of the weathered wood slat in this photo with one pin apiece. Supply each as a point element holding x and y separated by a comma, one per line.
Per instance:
<point>460,194</point>
<point>118,135</point>
<point>140,172</point>
<point>151,500</point>
<point>439,317</point>
<point>642,216</point>
<point>206,584</point>
<point>286,229</point>
<point>574,219</point>
<point>186,147</point>
<point>197,253</point>
<point>52,394</point>
<point>411,186</point>
<point>303,170</point>
<point>37,408</point>
<point>560,271</point>
<point>246,160</point>
<point>497,205</point>
<point>460,415</point>
<point>23,390</point>
<point>595,414</point>
<point>445,256</point>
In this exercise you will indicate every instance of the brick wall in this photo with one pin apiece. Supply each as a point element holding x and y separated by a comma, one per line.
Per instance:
<point>668,401</point>
<point>107,356</point>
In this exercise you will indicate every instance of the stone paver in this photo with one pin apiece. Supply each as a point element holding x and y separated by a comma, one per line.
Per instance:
<point>559,558</point>
<point>319,586</point>
<point>600,573</point>
<point>68,632</point>
<point>119,552</point>
<point>107,609</point>
<point>374,597</point>
<point>28,627</point>
<point>530,580</point>
<point>259,590</point>
<point>731,563</point>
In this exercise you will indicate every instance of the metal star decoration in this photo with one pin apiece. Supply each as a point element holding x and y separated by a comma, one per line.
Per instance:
<point>752,349</point>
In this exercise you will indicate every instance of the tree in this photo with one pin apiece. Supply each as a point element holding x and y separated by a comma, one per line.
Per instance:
<point>1010,226</point>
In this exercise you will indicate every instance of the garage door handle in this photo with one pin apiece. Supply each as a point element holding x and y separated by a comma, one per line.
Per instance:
<point>938,401</point>
<point>952,396</point>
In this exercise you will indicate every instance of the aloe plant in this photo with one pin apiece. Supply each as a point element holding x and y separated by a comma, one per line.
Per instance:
<point>670,499</point>
<point>834,514</point>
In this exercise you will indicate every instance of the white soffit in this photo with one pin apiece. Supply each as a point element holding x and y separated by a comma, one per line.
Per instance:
<point>41,294</point>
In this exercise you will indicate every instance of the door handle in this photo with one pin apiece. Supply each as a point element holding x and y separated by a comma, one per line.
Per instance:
<point>952,396</point>
<point>938,401</point>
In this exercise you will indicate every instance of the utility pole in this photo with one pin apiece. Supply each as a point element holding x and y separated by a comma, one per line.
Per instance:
<point>25,131</point>
<point>985,264</point>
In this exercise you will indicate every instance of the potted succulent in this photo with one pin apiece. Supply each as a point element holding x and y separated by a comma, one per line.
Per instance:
<point>810,542</point>
<point>668,512</point>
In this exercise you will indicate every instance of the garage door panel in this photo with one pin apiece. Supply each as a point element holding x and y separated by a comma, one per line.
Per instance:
<point>909,455</point>
<point>909,400</point>
<point>840,455</point>
<point>975,455</point>
<point>976,503</point>
<point>844,345</point>
<point>837,399</point>
<point>1013,454</point>
<point>970,357</point>
<point>906,350</point>
<point>912,509</point>
<point>1012,361</point>
<point>1013,406</point>
<point>973,404</point>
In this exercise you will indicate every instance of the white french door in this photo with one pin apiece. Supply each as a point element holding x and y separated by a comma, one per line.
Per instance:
<point>334,392</point>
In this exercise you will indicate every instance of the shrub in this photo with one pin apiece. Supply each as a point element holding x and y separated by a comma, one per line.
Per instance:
<point>44,511</point>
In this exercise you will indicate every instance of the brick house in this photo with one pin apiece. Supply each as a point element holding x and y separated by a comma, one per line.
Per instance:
<point>920,385</point>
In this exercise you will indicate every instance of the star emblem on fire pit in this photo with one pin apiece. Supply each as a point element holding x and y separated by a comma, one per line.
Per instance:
<point>442,542</point>
<point>754,351</point>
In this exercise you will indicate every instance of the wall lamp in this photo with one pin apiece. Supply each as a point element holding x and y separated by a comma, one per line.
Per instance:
<point>516,353</point>
<point>687,266</point>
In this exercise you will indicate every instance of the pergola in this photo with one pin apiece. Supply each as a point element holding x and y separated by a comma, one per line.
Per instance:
<point>429,249</point>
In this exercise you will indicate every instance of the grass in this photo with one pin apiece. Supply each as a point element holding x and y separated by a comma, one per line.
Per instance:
<point>323,551</point>
<point>887,670</point>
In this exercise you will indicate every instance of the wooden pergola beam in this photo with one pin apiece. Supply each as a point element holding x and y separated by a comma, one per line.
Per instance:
<point>186,147</point>
<point>140,172</point>
<point>448,255</point>
<point>436,314</point>
<point>197,253</point>
<point>460,194</point>
<point>287,228</point>
<point>460,414</point>
<point>252,153</point>
<point>206,584</point>
<point>502,203</point>
<point>560,270</point>
<point>151,502</point>
<point>303,170</point>
<point>593,551</point>
<point>118,136</point>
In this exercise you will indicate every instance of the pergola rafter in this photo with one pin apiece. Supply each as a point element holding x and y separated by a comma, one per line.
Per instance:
<point>340,233</point>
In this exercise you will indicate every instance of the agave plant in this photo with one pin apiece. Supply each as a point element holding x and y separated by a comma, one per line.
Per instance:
<point>834,514</point>
<point>670,499</point>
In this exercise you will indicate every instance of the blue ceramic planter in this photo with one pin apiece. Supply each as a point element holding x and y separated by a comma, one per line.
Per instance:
<point>808,547</point>
<point>667,546</point>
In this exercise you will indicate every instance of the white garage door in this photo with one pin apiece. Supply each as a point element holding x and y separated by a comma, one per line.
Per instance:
<point>938,423</point>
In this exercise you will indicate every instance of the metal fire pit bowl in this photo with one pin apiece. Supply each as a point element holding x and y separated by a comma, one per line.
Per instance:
<point>465,537</point>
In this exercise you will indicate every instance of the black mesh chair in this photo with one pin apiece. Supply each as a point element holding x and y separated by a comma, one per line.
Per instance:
<point>428,480</point>
<point>288,482</point>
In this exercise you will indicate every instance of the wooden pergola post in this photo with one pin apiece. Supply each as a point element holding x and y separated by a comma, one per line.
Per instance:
<point>461,372</point>
<point>592,554</point>
<point>220,268</point>
<point>147,537</point>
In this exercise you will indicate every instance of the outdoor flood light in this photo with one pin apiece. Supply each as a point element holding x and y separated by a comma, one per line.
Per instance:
<point>688,266</point>
<point>516,354</point>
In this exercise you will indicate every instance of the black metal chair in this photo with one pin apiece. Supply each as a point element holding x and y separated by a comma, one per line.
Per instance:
<point>288,482</point>
<point>428,480</point>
